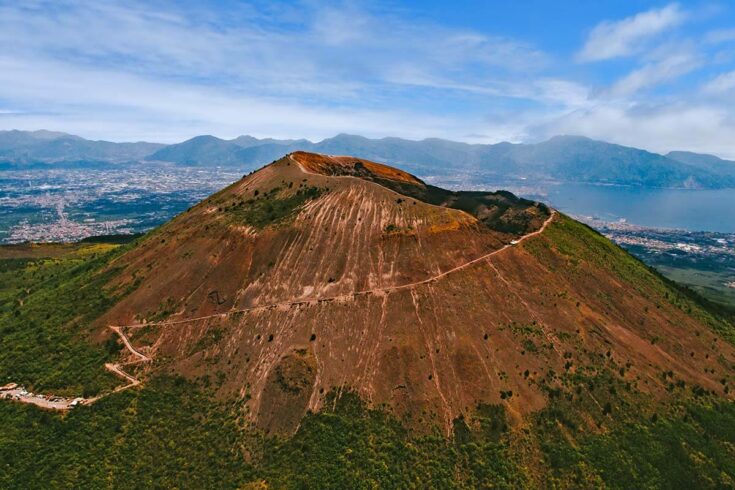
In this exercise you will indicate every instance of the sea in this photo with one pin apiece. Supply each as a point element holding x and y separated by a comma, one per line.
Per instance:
<point>691,210</point>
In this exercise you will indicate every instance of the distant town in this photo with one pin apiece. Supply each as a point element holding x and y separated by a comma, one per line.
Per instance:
<point>665,241</point>
<point>702,260</point>
<point>70,204</point>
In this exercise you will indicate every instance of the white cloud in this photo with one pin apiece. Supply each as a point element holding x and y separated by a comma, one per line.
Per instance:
<point>721,84</point>
<point>105,101</point>
<point>564,92</point>
<point>696,127</point>
<point>720,36</point>
<point>625,37</point>
<point>330,52</point>
<point>134,71</point>
<point>163,71</point>
<point>654,73</point>
<point>315,72</point>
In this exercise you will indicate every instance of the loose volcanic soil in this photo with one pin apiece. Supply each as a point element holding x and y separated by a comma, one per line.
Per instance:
<point>423,307</point>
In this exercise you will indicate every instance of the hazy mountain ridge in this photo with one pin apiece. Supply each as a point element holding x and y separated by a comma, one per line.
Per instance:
<point>708,162</point>
<point>32,147</point>
<point>561,158</point>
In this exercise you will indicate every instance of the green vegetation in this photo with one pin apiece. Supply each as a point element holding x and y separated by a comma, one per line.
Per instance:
<point>691,447</point>
<point>170,434</point>
<point>210,338</point>
<point>270,208</point>
<point>709,283</point>
<point>167,435</point>
<point>585,247</point>
<point>531,329</point>
<point>47,306</point>
<point>500,210</point>
<point>352,447</point>
<point>599,432</point>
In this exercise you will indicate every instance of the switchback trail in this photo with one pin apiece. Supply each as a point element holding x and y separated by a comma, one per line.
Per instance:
<point>18,394</point>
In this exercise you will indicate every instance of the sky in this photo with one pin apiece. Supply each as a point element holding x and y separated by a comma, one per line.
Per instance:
<point>655,75</point>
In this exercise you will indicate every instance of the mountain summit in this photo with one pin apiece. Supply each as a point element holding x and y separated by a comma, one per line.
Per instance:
<point>319,275</point>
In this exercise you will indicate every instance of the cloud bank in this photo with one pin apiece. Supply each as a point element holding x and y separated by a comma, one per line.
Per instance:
<point>611,39</point>
<point>660,79</point>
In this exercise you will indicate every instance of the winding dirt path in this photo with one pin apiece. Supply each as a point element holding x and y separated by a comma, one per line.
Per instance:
<point>342,297</point>
<point>57,403</point>
<point>19,394</point>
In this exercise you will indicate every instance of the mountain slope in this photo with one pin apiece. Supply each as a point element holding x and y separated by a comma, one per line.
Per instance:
<point>710,163</point>
<point>313,275</point>
<point>573,158</point>
<point>199,150</point>
<point>327,321</point>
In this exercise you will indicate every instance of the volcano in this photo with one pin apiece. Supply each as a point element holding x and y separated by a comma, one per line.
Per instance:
<point>321,275</point>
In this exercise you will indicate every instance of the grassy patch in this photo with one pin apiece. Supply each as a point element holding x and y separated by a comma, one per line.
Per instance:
<point>270,208</point>
<point>584,247</point>
<point>211,337</point>
<point>710,284</point>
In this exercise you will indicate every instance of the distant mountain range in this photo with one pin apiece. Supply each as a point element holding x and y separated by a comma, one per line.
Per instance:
<point>34,147</point>
<point>562,158</point>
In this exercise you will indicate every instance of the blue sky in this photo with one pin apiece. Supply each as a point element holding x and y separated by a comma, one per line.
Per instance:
<point>656,75</point>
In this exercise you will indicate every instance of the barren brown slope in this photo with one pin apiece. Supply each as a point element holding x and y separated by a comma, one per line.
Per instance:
<point>278,257</point>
